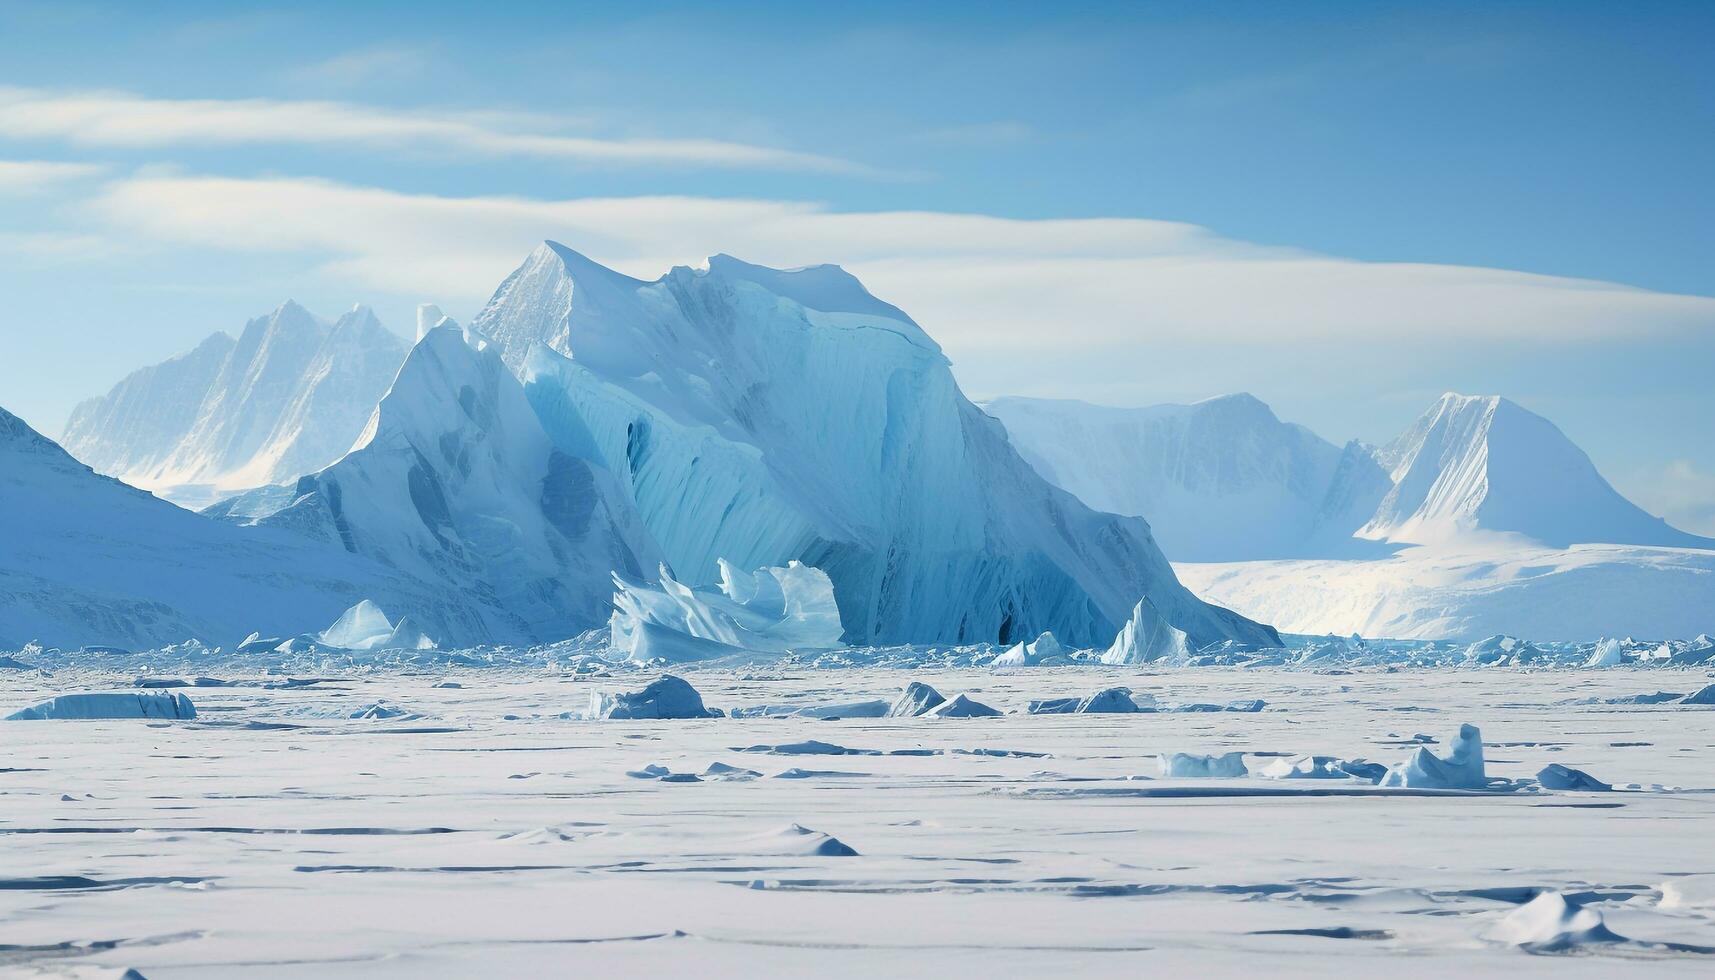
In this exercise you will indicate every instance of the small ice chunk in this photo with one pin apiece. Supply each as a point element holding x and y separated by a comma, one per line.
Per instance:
<point>916,699</point>
<point>651,771</point>
<point>666,697</point>
<point>1113,701</point>
<point>92,707</point>
<point>1704,695</point>
<point>1557,776</point>
<point>1549,922</point>
<point>1462,768</point>
<point>1310,767</point>
<point>961,707</point>
<point>720,770</point>
<point>1186,764</point>
<point>842,709</point>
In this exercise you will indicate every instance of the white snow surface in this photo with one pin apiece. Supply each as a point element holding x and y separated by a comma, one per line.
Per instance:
<point>288,397</point>
<point>491,836</point>
<point>761,416</point>
<point>1477,586</point>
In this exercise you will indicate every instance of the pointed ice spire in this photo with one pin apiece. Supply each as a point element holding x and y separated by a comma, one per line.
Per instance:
<point>428,316</point>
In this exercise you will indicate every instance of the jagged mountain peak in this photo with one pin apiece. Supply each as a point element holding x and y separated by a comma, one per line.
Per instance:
<point>1485,463</point>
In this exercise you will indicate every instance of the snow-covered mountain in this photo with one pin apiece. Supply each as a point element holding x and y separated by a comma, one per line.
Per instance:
<point>761,416</point>
<point>286,398</point>
<point>454,482</point>
<point>1219,480</point>
<point>1473,463</point>
<point>1492,521</point>
<point>89,560</point>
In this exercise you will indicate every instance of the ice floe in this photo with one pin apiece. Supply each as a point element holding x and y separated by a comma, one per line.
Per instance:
<point>103,706</point>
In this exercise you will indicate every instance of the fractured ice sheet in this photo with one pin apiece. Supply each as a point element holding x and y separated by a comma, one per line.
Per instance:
<point>771,610</point>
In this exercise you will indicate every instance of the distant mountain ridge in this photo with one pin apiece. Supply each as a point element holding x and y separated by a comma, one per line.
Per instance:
<point>1224,480</point>
<point>1219,480</point>
<point>287,397</point>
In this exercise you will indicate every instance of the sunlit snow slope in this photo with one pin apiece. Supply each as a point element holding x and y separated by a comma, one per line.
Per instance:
<point>1484,463</point>
<point>761,416</point>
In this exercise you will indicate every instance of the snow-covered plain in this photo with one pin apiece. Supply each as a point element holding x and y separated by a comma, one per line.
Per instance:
<point>443,820</point>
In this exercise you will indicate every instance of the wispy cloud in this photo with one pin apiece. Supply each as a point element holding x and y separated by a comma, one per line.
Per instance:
<point>126,120</point>
<point>382,63</point>
<point>977,282</point>
<point>33,175</point>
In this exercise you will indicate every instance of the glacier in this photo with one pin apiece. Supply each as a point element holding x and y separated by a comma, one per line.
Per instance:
<point>762,416</point>
<point>286,398</point>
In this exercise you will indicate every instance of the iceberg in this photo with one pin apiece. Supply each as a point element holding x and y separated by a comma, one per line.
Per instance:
<point>1606,654</point>
<point>666,697</point>
<point>1043,649</point>
<point>1181,765</point>
<point>129,704</point>
<point>365,627</point>
<point>771,610</point>
<point>1462,768</point>
<point>762,415</point>
<point>916,699</point>
<point>1147,638</point>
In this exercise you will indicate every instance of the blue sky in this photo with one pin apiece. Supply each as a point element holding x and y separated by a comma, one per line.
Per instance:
<point>1344,208</point>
